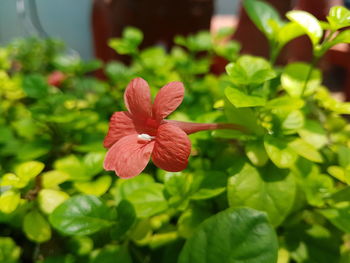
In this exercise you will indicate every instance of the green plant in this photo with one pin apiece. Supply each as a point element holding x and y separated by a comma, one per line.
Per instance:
<point>276,192</point>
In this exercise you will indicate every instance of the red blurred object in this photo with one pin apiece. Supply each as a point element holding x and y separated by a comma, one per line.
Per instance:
<point>56,78</point>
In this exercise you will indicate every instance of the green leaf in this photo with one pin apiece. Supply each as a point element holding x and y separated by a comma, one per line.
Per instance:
<point>9,251</point>
<point>309,24</point>
<point>9,201</point>
<point>340,173</point>
<point>339,216</point>
<point>35,86</point>
<point>36,227</point>
<point>202,41</point>
<point>271,190</point>
<point>250,70</point>
<point>29,170</point>
<point>312,243</point>
<point>306,150</point>
<point>243,116</point>
<point>81,215</point>
<point>240,99</point>
<point>143,193</point>
<point>49,199</point>
<point>133,35</point>
<point>344,156</point>
<point>208,184</point>
<point>288,32</point>
<point>342,195</point>
<point>314,134</point>
<point>53,179</point>
<point>111,254</point>
<point>71,165</point>
<point>261,13</point>
<point>317,188</point>
<point>78,170</point>
<point>294,76</point>
<point>149,200</point>
<point>285,103</point>
<point>338,17</point>
<point>190,220</point>
<point>293,121</point>
<point>97,187</point>
<point>256,153</point>
<point>93,162</point>
<point>234,235</point>
<point>279,152</point>
<point>342,37</point>
<point>126,217</point>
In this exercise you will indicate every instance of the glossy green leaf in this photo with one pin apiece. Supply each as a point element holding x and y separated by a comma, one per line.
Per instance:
<point>49,199</point>
<point>240,99</point>
<point>339,17</point>
<point>81,215</point>
<point>309,24</point>
<point>261,13</point>
<point>36,227</point>
<point>9,251</point>
<point>294,77</point>
<point>233,235</point>
<point>250,70</point>
<point>269,189</point>
<point>280,153</point>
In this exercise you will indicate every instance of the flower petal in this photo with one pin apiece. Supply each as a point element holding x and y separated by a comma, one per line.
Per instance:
<point>168,99</point>
<point>171,149</point>
<point>128,156</point>
<point>120,125</point>
<point>137,98</point>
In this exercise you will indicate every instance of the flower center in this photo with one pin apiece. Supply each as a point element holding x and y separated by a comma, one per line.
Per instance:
<point>146,137</point>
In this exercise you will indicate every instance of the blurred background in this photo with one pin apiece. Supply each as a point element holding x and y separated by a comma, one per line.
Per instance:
<point>87,25</point>
<point>70,21</point>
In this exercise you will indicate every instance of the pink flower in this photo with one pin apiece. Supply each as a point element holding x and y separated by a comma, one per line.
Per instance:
<point>141,132</point>
<point>56,78</point>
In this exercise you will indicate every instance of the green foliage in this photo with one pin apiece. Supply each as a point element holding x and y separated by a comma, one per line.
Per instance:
<point>286,174</point>
<point>223,238</point>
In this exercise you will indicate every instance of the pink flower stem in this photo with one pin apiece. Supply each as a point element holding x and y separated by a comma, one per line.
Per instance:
<point>190,127</point>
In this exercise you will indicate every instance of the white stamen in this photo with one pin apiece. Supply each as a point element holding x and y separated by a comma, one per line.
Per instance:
<point>146,137</point>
